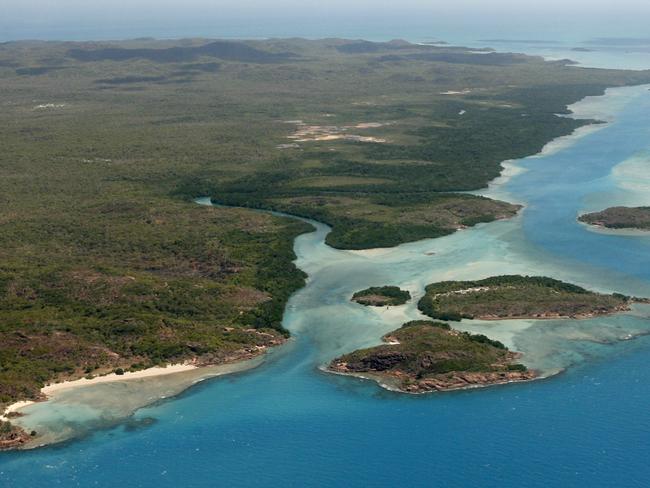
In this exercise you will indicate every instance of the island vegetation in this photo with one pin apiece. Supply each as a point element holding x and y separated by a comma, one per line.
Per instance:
<point>107,263</point>
<point>381,296</point>
<point>514,296</point>
<point>425,356</point>
<point>619,218</point>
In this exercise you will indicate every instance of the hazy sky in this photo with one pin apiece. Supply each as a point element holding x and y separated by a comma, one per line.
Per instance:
<point>88,19</point>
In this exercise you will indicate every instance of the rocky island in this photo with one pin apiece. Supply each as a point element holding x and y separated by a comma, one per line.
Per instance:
<point>380,296</point>
<point>424,356</point>
<point>619,218</point>
<point>517,297</point>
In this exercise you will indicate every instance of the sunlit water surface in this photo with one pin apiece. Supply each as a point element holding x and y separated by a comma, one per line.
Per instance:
<point>286,423</point>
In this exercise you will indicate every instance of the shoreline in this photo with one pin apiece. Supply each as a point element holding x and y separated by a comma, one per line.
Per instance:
<point>623,231</point>
<point>581,316</point>
<point>379,379</point>
<point>128,375</point>
<point>13,408</point>
<point>511,168</point>
<point>198,373</point>
<point>616,231</point>
<point>53,388</point>
<point>590,109</point>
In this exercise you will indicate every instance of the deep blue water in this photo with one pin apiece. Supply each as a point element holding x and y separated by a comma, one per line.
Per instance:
<point>288,424</point>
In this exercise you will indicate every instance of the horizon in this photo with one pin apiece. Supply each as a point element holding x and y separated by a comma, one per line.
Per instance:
<point>413,19</point>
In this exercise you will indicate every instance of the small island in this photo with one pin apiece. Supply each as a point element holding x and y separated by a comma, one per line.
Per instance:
<point>381,296</point>
<point>517,297</point>
<point>619,218</point>
<point>425,356</point>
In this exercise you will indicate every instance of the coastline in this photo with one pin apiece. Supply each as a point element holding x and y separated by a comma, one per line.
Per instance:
<point>384,380</point>
<point>128,375</point>
<point>170,380</point>
<point>630,232</point>
<point>622,231</point>
<point>580,316</point>
<point>65,386</point>
<point>380,380</point>
<point>512,168</point>
<point>14,408</point>
<point>595,110</point>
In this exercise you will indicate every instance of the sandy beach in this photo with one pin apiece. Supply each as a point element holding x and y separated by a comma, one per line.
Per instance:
<point>145,373</point>
<point>14,407</point>
<point>65,385</point>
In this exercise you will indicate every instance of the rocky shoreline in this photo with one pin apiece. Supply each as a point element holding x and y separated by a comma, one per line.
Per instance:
<point>13,437</point>
<point>444,383</point>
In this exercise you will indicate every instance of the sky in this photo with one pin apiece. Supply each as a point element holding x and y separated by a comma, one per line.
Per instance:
<point>105,19</point>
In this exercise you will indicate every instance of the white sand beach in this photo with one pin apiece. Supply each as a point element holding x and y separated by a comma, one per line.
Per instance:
<point>128,375</point>
<point>48,390</point>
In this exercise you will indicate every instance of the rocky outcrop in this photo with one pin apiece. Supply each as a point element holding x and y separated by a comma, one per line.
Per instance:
<point>12,437</point>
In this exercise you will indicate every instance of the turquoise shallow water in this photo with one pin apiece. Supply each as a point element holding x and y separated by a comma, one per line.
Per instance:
<point>287,423</point>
